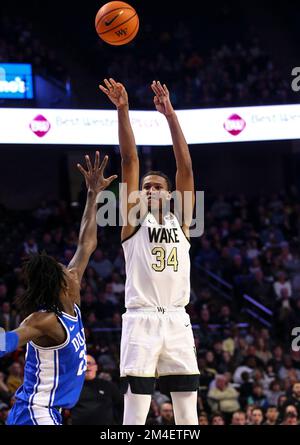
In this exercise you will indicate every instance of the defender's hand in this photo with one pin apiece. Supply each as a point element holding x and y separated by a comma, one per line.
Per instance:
<point>94,175</point>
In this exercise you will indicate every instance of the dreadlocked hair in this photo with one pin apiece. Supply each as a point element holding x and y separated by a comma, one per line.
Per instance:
<point>45,279</point>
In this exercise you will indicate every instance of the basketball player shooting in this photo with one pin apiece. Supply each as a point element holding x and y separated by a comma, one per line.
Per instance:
<point>157,338</point>
<point>55,361</point>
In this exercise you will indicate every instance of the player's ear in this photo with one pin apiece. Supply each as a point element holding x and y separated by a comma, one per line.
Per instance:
<point>169,196</point>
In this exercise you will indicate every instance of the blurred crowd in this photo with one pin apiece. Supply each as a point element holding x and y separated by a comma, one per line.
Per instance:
<point>200,71</point>
<point>21,43</point>
<point>240,73</point>
<point>250,373</point>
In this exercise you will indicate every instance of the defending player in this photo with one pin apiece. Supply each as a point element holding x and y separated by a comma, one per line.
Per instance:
<point>157,338</point>
<point>56,352</point>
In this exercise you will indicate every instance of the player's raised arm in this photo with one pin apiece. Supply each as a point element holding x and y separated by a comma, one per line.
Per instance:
<point>184,174</point>
<point>87,242</point>
<point>117,93</point>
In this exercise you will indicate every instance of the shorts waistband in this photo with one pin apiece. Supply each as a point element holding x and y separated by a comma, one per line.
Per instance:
<point>159,309</point>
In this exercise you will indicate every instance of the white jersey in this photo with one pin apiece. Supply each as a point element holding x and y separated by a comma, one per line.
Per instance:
<point>157,264</point>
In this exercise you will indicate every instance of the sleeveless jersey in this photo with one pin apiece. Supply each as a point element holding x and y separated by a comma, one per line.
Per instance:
<point>157,264</point>
<point>54,376</point>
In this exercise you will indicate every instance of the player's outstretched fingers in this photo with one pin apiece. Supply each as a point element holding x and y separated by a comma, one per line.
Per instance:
<point>108,85</point>
<point>154,88</point>
<point>160,88</point>
<point>97,160</point>
<point>113,82</point>
<point>81,169</point>
<point>111,179</point>
<point>103,163</point>
<point>160,91</point>
<point>103,89</point>
<point>88,163</point>
<point>166,89</point>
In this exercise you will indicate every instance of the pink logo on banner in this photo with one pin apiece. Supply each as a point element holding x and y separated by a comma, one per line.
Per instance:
<point>235,124</point>
<point>40,126</point>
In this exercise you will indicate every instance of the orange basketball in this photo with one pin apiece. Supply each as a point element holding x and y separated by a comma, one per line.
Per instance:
<point>117,23</point>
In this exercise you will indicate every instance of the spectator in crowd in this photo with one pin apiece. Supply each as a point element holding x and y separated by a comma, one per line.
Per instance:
<point>260,288</point>
<point>166,415</point>
<point>271,415</point>
<point>217,419</point>
<point>288,370</point>
<point>238,418</point>
<point>294,399</point>
<point>281,284</point>
<point>5,393</point>
<point>290,419</point>
<point>245,389</point>
<point>15,377</point>
<point>274,392</point>
<point>223,398</point>
<point>262,351</point>
<point>8,317</point>
<point>258,397</point>
<point>100,401</point>
<point>100,264</point>
<point>257,416</point>
<point>203,419</point>
<point>4,410</point>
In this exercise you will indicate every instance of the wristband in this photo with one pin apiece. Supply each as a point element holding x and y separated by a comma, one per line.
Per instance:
<point>8,342</point>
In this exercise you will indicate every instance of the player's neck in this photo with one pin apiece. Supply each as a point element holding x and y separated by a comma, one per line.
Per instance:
<point>159,216</point>
<point>67,304</point>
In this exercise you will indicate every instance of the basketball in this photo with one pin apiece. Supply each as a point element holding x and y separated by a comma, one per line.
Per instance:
<point>117,23</point>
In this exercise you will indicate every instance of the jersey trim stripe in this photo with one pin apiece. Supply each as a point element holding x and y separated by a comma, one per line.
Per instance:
<point>46,375</point>
<point>188,239</point>
<point>130,236</point>
<point>35,388</point>
<point>56,375</point>
<point>70,317</point>
<point>53,417</point>
<point>136,229</point>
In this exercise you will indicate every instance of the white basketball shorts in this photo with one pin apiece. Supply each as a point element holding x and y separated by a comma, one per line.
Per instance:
<point>157,342</point>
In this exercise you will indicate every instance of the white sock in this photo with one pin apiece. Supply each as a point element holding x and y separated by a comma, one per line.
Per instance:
<point>136,408</point>
<point>185,407</point>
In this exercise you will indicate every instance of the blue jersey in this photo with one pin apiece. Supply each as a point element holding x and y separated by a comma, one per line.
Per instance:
<point>54,376</point>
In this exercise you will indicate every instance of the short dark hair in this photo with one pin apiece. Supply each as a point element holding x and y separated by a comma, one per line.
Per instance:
<point>45,279</point>
<point>157,173</point>
<point>217,414</point>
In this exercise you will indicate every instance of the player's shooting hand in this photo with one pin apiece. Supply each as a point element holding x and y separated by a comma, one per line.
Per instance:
<point>162,98</point>
<point>94,175</point>
<point>116,92</point>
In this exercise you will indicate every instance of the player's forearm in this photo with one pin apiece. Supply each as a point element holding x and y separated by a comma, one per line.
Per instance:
<point>126,136</point>
<point>88,227</point>
<point>180,147</point>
